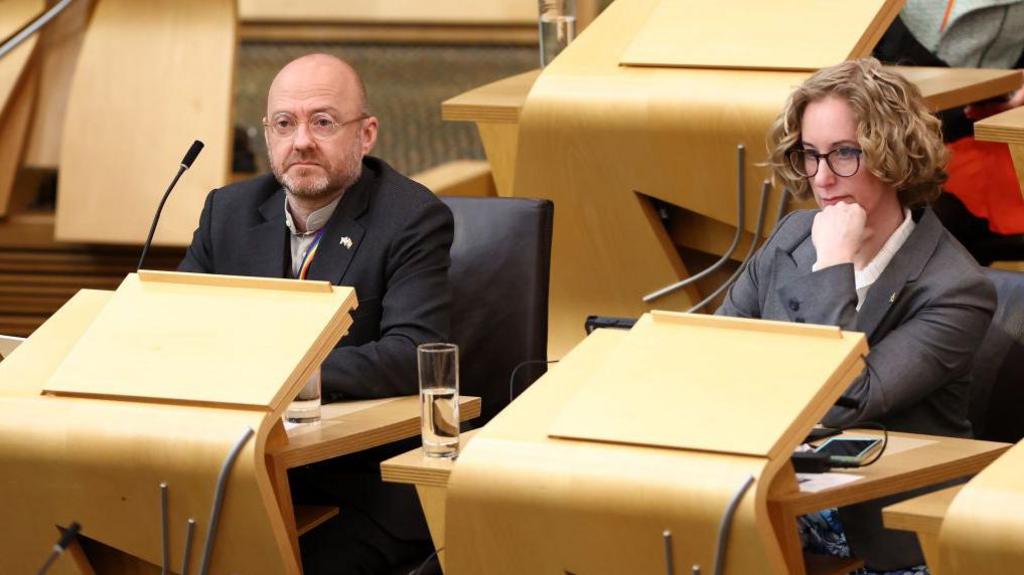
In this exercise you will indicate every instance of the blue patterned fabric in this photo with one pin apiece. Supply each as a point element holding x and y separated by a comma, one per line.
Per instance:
<point>822,534</point>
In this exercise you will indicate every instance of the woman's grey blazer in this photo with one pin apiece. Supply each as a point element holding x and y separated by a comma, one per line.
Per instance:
<point>923,318</point>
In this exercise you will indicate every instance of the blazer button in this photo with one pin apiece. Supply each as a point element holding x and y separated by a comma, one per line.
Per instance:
<point>794,305</point>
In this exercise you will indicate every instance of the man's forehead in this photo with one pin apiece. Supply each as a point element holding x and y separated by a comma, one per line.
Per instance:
<point>311,97</point>
<point>314,81</point>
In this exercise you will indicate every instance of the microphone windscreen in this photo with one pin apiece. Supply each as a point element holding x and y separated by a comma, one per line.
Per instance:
<point>69,535</point>
<point>190,155</point>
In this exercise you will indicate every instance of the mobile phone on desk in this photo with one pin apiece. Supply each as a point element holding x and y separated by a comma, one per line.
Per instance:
<point>849,450</point>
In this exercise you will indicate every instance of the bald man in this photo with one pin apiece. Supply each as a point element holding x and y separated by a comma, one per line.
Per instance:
<point>331,212</point>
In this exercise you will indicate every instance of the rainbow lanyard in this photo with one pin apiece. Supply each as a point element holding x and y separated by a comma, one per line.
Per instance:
<point>310,252</point>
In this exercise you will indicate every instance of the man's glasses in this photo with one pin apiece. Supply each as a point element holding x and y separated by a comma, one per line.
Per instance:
<point>322,126</point>
<point>843,162</point>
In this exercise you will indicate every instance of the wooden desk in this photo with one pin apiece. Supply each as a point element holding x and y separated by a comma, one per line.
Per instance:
<point>922,515</point>
<point>677,121</point>
<point>1007,127</point>
<point>911,461</point>
<point>345,428</point>
<point>500,102</point>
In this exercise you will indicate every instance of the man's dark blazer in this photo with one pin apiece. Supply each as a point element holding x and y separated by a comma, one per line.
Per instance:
<point>923,317</point>
<point>399,235</point>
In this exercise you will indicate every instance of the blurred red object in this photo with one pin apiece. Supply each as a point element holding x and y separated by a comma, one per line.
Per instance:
<point>982,176</point>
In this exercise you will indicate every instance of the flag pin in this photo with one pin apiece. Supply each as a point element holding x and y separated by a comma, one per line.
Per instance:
<point>347,242</point>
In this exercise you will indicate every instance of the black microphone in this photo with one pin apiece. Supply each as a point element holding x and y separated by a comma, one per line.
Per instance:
<point>69,535</point>
<point>186,163</point>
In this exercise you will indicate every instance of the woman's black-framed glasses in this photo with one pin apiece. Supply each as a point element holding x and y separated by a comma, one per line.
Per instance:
<point>843,161</point>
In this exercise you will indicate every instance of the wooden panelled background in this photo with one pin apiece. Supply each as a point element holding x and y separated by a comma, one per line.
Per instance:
<point>409,65</point>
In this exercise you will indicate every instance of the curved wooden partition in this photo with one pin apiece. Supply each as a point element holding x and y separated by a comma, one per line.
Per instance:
<point>151,78</point>
<point>17,92</point>
<point>96,451</point>
<point>983,530</point>
<point>601,138</point>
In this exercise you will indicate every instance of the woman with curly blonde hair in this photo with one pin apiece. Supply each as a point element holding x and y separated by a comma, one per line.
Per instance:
<point>859,140</point>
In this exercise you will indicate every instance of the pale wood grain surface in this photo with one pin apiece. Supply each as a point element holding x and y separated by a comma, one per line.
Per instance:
<point>946,88</point>
<point>18,77</point>
<point>153,338</point>
<point>351,426</point>
<point>557,514</point>
<point>602,140</point>
<point>14,124</point>
<point>151,77</point>
<point>1005,127</point>
<point>911,460</point>
<point>921,514</point>
<point>470,178</point>
<point>938,460</point>
<point>699,368</point>
<point>60,42</point>
<point>15,13</point>
<point>415,468</point>
<point>101,462</point>
<point>983,531</point>
<point>498,101</point>
<point>405,11</point>
<point>752,33</point>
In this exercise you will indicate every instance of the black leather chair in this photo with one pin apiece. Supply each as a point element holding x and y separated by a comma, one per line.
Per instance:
<point>501,261</point>
<point>997,395</point>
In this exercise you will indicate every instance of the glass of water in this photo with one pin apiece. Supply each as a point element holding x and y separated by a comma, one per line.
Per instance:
<point>557,27</point>
<point>306,406</point>
<point>439,398</point>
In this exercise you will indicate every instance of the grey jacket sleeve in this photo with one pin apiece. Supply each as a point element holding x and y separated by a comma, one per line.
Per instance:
<point>925,352</point>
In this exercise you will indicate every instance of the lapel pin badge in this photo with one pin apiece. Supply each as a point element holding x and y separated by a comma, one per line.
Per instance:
<point>347,242</point>
<point>892,298</point>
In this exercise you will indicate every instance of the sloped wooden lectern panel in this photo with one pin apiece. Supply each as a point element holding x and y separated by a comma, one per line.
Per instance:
<point>193,337</point>
<point>755,34</point>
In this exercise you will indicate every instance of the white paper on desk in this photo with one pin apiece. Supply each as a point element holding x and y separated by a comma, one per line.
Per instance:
<point>815,482</point>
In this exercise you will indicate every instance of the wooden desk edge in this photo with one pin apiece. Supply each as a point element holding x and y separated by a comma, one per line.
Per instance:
<point>922,514</point>
<point>290,456</point>
<point>414,468</point>
<point>868,489</point>
<point>498,101</point>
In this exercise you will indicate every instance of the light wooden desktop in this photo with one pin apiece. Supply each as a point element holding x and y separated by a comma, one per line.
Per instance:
<point>1007,127</point>
<point>495,108</point>
<point>685,152</point>
<point>345,428</point>
<point>971,528</point>
<point>923,515</point>
<point>911,461</point>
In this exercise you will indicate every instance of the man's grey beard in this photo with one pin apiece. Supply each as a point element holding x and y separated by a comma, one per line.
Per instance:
<point>323,185</point>
<point>318,188</point>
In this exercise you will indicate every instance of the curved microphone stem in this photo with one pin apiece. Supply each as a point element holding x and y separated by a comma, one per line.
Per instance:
<point>765,189</point>
<point>740,212</point>
<point>26,31</point>
<point>186,163</point>
<point>159,209</point>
